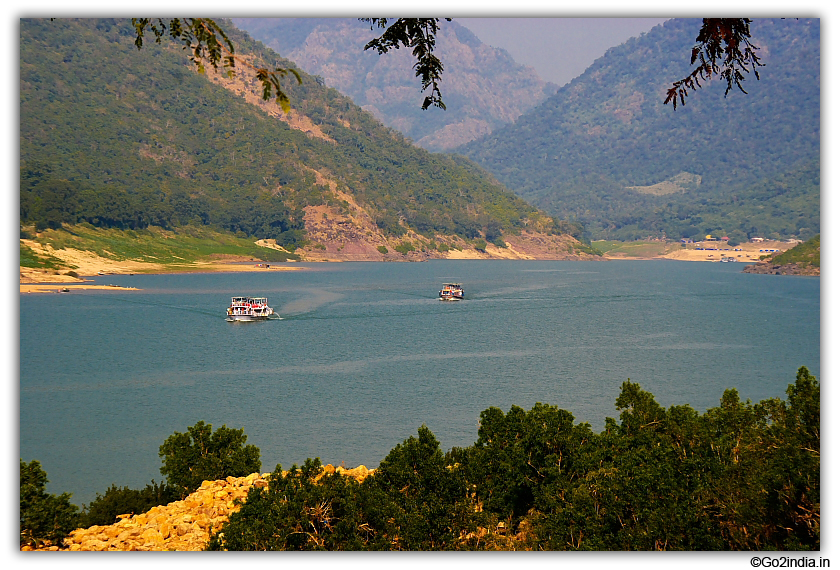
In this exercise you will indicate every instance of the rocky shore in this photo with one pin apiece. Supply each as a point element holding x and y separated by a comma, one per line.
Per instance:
<point>181,525</point>
<point>770,268</point>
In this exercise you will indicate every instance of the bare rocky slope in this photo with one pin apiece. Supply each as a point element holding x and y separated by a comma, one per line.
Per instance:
<point>351,235</point>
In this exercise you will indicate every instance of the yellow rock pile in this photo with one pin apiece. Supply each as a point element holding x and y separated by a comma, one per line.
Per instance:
<point>182,525</point>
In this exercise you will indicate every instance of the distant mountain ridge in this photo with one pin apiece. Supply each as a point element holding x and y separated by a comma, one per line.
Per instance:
<point>483,87</point>
<point>606,151</point>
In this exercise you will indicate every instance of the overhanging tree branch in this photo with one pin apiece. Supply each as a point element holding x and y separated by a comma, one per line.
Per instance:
<point>723,48</point>
<point>719,51</point>
<point>419,34</point>
<point>207,41</point>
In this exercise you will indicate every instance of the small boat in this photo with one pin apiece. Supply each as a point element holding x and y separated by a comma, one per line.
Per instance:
<point>451,292</point>
<point>249,309</point>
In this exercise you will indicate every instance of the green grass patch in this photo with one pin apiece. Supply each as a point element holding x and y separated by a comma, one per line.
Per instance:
<point>182,246</point>
<point>28,258</point>
<point>581,247</point>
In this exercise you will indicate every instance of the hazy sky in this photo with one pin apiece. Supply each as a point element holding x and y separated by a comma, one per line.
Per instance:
<point>559,49</point>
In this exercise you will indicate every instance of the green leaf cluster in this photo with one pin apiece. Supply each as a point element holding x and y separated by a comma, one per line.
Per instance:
<point>116,501</point>
<point>418,34</point>
<point>740,476</point>
<point>208,42</point>
<point>202,454</point>
<point>43,516</point>
<point>415,502</point>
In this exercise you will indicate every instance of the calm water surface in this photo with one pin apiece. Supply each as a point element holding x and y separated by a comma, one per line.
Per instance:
<point>365,354</point>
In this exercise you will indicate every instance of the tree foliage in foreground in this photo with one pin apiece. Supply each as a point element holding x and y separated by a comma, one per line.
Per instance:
<point>723,50</point>
<point>202,454</point>
<point>43,516</point>
<point>418,34</point>
<point>208,42</point>
<point>741,476</point>
<point>116,501</point>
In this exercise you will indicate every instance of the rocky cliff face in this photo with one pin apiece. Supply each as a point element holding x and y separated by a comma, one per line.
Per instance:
<point>483,87</point>
<point>351,235</point>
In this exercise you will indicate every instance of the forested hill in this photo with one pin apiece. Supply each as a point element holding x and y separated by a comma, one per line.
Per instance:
<point>126,138</point>
<point>483,87</point>
<point>606,150</point>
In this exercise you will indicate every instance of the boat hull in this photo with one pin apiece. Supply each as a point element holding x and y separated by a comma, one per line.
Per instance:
<point>245,318</point>
<point>451,292</point>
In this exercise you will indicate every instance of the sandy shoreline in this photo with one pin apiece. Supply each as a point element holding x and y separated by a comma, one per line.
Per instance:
<point>68,287</point>
<point>88,264</point>
<point>34,281</point>
<point>709,252</point>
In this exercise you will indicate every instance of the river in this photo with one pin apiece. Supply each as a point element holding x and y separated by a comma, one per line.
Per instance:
<point>365,354</point>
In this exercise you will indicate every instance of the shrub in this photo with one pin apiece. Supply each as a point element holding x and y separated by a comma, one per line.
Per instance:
<point>201,455</point>
<point>423,500</point>
<point>382,249</point>
<point>404,247</point>
<point>105,509</point>
<point>296,512</point>
<point>42,516</point>
<point>740,476</point>
<point>417,500</point>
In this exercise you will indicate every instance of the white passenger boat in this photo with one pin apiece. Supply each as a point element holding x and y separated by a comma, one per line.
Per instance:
<point>249,309</point>
<point>451,292</point>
